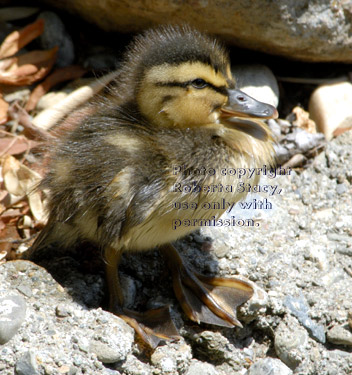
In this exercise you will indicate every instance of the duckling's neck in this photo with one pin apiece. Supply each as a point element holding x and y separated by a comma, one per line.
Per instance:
<point>210,148</point>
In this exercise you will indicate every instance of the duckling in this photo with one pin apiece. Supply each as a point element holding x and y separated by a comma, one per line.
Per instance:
<point>111,178</point>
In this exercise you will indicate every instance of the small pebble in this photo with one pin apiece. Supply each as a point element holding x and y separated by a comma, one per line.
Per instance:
<point>171,358</point>
<point>201,368</point>
<point>26,364</point>
<point>212,344</point>
<point>330,107</point>
<point>12,315</point>
<point>105,353</point>
<point>164,362</point>
<point>55,34</point>
<point>257,81</point>
<point>25,290</point>
<point>274,127</point>
<point>290,342</point>
<point>129,289</point>
<point>341,188</point>
<point>62,311</point>
<point>299,309</point>
<point>256,305</point>
<point>340,335</point>
<point>269,366</point>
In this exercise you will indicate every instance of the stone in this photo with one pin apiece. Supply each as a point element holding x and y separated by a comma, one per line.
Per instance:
<point>104,352</point>
<point>340,335</point>
<point>299,309</point>
<point>12,315</point>
<point>310,31</point>
<point>275,128</point>
<point>62,311</point>
<point>26,364</point>
<point>164,362</point>
<point>16,13</point>
<point>172,358</point>
<point>55,34</point>
<point>129,290</point>
<point>197,368</point>
<point>269,366</point>
<point>330,106</point>
<point>132,365</point>
<point>256,305</point>
<point>257,81</point>
<point>113,340</point>
<point>291,342</point>
<point>212,345</point>
<point>303,140</point>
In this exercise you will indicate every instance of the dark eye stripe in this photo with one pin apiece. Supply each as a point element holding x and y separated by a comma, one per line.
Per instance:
<point>220,89</point>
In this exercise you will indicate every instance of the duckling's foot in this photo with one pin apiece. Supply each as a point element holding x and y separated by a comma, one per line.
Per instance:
<point>152,326</point>
<point>204,299</point>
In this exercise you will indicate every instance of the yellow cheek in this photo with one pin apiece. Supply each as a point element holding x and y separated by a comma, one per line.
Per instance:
<point>194,108</point>
<point>188,112</point>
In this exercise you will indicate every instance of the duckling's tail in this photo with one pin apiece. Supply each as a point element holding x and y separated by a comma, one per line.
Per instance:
<point>53,237</point>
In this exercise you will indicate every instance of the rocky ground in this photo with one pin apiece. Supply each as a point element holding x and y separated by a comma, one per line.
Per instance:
<point>52,317</point>
<point>300,255</point>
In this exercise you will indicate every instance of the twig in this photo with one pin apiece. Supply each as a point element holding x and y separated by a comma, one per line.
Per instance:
<point>51,116</point>
<point>25,121</point>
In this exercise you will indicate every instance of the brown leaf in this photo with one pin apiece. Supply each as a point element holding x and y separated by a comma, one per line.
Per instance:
<point>303,121</point>
<point>37,206</point>
<point>4,106</point>
<point>59,75</point>
<point>19,38</point>
<point>7,236</point>
<point>28,68</point>
<point>15,145</point>
<point>18,179</point>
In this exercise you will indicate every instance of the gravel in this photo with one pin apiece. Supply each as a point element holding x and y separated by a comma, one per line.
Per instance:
<point>299,258</point>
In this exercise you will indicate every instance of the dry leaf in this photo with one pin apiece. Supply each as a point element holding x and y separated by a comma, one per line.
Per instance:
<point>28,68</point>
<point>59,75</point>
<point>15,145</point>
<point>18,179</point>
<point>21,181</point>
<point>7,236</point>
<point>303,121</point>
<point>4,106</point>
<point>19,38</point>
<point>37,207</point>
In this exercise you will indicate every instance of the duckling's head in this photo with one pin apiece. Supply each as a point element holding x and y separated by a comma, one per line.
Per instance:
<point>182,78</point>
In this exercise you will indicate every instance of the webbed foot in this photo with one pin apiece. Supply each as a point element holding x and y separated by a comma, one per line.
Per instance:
<point>204,299</point>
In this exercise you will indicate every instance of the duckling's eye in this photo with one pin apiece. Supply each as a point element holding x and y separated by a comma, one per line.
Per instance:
<point>199,83</point>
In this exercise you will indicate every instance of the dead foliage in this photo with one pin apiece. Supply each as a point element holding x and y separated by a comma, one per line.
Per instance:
<point>22,207</point>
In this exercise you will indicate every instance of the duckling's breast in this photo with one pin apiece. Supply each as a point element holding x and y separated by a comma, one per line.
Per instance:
<point>202,184</point>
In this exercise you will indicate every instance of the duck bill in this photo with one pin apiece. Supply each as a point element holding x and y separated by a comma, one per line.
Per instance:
<point>244,106</point>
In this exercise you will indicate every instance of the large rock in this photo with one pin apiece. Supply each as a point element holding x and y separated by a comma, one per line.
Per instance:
<point>316,30</point>
<point>330,106</point>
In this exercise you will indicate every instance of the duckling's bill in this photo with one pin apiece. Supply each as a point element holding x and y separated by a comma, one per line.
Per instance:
<point>242,105</point>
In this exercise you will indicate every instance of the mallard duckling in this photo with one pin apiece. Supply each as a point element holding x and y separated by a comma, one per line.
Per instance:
<point>112,179</point>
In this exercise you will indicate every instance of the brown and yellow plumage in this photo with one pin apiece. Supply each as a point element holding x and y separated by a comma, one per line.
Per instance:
<point>111,179</point>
